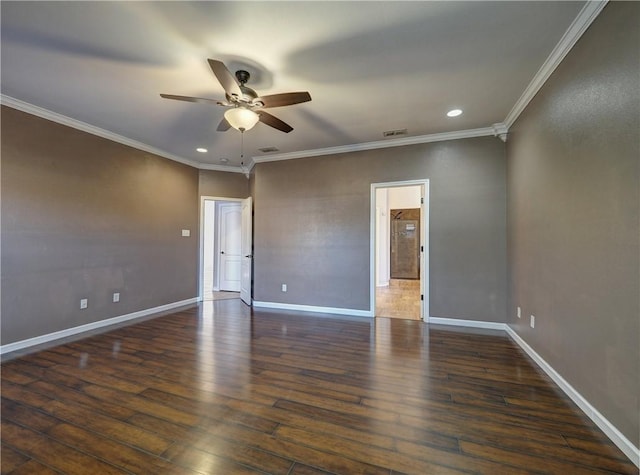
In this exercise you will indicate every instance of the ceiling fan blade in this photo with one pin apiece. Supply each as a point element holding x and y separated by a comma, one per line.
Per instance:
<point>193,99</point>
<point>227,80</point>
<point>274,122</point>
<point>285,99</point>
<point>223,126</point>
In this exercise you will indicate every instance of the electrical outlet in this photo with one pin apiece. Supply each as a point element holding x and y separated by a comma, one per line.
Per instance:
<point>116,297</point>
<point>519,313</point>
<point>284,287</point>
<point>83,304</point>
<point>533,321</point>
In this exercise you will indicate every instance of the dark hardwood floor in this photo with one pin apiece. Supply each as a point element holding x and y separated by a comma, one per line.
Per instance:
<point>222,390</point>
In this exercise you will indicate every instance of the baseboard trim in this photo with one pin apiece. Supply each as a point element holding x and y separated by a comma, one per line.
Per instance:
<point>467,323</point>
<point>592,413</point>
<point>311,308</point>
<point>38,340</point>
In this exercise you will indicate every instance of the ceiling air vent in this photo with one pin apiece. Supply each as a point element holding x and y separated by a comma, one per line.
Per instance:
<point>394,133</point>
<point>268,149</point>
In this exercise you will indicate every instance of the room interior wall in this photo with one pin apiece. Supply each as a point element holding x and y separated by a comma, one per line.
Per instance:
<point>222,184</point>
<point>573,213</point>
<point>312,226</point>
<point>84,217</point>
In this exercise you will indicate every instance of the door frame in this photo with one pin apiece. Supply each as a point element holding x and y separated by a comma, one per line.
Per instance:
<point>201,244</point>
<point>424,241</point>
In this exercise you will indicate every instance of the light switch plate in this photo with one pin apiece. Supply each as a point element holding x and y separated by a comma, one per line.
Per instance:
<point>186,233</point>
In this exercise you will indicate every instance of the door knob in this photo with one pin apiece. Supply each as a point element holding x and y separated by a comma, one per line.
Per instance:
<point>221,252</point>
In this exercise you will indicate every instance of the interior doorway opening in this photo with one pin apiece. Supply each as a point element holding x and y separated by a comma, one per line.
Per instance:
<point>221,249</point>
<point>399,244</point>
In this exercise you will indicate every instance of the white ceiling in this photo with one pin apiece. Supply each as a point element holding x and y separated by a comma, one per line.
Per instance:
<point>369,66</point>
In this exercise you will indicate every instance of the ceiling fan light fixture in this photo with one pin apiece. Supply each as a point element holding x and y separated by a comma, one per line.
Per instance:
<point>241,119</point>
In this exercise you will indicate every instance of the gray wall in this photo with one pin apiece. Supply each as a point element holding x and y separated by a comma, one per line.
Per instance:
<point>223,184</point>
<point>312,227</point>
<point>83,217</point>
<point>574,232</point>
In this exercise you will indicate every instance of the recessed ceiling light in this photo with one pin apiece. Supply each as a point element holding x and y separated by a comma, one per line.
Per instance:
<point>201,150</point>
<point>454,112</point>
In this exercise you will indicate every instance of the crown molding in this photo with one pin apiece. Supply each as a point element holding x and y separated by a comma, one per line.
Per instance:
<point>496,130</point>
<point>91,129</point>
<point>219,168</point>
<point>358,147</point>
<point>584,19</point>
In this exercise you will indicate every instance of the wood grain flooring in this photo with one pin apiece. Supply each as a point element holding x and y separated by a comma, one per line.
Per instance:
<point>222,389</point>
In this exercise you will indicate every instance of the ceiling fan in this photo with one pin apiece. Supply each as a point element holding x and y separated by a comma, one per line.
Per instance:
<point>246,107</point>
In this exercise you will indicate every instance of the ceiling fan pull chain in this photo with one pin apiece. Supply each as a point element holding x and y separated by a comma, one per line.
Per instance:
<point>242,146</point>
<point>245,170</point>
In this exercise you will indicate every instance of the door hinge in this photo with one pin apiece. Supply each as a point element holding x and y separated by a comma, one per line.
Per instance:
<point>422,200</point>
<point>421,248</point>
<point>422,297</point>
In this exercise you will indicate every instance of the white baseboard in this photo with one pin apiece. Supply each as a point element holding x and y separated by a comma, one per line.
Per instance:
<point>310,308</point>
<point>592,413</point>
<point>467,323</point>
<point>38,340</point>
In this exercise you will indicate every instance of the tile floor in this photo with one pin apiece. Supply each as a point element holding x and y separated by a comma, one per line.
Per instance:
<point>401,299</point>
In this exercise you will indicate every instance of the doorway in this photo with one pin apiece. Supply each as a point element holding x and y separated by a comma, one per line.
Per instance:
<point>399,248</point>
<point>225,245</point>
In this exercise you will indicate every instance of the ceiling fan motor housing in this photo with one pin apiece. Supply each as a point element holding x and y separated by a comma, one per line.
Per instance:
<point>242,76</point>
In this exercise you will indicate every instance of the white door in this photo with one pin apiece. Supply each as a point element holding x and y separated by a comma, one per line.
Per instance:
<point>246,251</point>
<point>230,220</point>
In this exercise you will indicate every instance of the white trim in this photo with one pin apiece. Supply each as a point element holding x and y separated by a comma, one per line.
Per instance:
<point>311,308</point>
<point>586,16</point>
<point>220,168</point>
<point>19,345</point>
<point>591,412</point>
<point>468,323</point>
<point>460,134</point>
<point>424,241</point>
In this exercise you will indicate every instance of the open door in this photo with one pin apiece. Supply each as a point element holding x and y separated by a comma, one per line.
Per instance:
<point>246,251</point>
<point>230,244</point>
